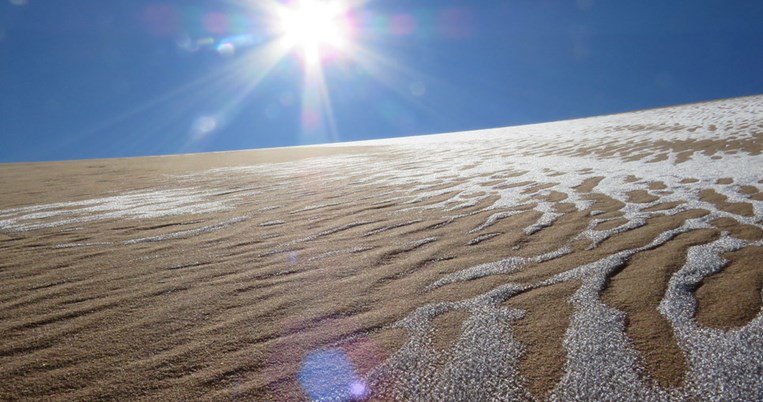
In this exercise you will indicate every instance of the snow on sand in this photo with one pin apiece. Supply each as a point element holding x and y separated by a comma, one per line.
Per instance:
<point>609,258</point>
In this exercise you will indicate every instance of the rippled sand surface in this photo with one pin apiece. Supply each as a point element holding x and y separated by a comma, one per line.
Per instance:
<point>609,258</point>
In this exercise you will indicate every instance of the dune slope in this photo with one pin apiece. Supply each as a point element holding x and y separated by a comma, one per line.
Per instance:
<point>615,257</point>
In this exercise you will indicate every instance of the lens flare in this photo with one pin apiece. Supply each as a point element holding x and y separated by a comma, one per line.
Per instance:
<point>203,126</point>
<point>330,375</point>
<point>334,41</point>
<point>226,49</point>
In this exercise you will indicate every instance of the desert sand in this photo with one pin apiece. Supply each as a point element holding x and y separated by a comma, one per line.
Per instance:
<point>608,258</point>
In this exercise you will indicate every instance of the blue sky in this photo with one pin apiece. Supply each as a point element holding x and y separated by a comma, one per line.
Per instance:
<point>92,78</point>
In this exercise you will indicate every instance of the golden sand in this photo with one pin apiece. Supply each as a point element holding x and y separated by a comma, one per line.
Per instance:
<point>229,303</point>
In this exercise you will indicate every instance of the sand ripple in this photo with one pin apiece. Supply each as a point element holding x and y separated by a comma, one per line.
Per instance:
<point>560,261</point>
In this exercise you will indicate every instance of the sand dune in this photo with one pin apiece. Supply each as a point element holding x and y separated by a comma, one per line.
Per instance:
<point>609,258</point>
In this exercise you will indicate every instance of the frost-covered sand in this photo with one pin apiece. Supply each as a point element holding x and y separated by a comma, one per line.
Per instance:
<point>610,258</point>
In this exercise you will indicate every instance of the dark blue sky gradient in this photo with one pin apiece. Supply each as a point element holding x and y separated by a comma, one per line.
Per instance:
<point>92,78</point>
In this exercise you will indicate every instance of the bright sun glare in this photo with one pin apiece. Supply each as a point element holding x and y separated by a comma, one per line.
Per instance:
<point>312,25</point>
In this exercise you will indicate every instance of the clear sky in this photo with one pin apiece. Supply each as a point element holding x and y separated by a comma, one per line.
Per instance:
<point>108,78</point>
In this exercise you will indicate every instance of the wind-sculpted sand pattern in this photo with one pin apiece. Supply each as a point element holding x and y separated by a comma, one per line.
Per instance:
<point>611,258</point>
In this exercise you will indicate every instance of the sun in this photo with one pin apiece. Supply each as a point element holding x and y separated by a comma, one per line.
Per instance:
<point>313,25</point>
